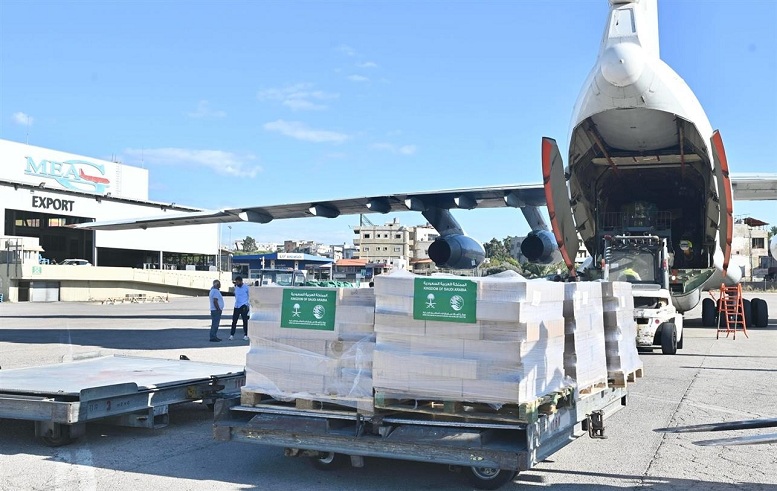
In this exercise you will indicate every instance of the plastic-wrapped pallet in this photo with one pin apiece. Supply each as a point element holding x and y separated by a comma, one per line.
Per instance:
<point>311,343</point>
<point>585,359</point>
<point>620,330</point>
<point>492,340</point>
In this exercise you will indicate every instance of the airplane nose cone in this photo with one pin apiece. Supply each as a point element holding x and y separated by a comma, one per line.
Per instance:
<point>622,64</point>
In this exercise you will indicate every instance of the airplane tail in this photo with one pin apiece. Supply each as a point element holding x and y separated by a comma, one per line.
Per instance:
<point>633,21</point>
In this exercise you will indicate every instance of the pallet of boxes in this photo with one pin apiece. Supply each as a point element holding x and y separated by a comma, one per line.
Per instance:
<point>620,328</point>
<point>585,357</point>
<point>490,348</point>
<point>311,347</point>
<point>493,348</point>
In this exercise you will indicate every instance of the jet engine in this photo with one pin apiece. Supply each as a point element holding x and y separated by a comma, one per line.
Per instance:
<point>456,251</point>
<point>540,247</point>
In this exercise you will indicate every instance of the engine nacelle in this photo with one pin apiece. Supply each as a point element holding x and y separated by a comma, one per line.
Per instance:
<point>540,247</point>
<point>457,252</point>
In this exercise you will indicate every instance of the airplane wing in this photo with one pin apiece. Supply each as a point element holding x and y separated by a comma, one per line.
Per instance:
<point>516,196</point>
<point>754,187</point>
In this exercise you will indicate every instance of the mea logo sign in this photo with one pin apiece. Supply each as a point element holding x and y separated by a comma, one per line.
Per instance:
<point>70,174</point>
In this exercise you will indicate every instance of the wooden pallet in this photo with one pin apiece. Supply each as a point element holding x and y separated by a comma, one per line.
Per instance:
<point>593,388</point>
<point>361,405</point>
<point>527,412</point>
<point>621,378</point>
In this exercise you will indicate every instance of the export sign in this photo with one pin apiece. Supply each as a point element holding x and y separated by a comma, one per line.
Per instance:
<point>52,203</point>
<point>445,299</point>
<point>308,308</point>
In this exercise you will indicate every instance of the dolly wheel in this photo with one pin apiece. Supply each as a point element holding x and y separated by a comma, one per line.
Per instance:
<point>329,461</point>
<point>489,477</point>
<point>63,437</point>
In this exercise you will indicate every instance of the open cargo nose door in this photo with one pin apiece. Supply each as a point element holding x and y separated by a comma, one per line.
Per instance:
<point>726,201</point>
<point>557,198</point>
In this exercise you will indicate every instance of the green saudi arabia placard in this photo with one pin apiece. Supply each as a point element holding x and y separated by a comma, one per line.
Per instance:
<point>444,299</point>
<point>307,308</point>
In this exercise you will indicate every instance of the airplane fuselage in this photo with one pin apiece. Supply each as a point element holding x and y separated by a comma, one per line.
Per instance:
<point>640,154</point>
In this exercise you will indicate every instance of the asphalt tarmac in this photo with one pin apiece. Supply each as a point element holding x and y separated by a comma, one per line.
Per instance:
<point>710,380</point>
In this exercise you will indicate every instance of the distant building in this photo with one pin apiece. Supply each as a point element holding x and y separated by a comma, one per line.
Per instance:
<point>358,270</point>
<point>44,191</point>
<point>383,243</point>
<point>249,266</point>
<point>749,247</point>
<point>396,246</point>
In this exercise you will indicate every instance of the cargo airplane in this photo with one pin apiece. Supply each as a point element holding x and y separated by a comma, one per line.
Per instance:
<point>642,153</point>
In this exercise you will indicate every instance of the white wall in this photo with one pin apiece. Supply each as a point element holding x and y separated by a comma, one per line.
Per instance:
<point>194,239</point>
<point>60,170</point>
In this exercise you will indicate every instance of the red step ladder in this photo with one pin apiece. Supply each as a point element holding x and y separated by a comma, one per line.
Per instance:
<point>731,311</point>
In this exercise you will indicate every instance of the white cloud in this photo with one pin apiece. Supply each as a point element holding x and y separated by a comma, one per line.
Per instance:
<point>204,111</point>
<point>398,149</point>
<point>346,50</point>
<point>300,131</point>
<point>298,97</point>
<point>367,64</point>
<point>23,119</point>
<point>221,162</point>
<point>358,78</point>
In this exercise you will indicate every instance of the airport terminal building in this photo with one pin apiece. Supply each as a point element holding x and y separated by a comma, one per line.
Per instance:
<point>42,191</point>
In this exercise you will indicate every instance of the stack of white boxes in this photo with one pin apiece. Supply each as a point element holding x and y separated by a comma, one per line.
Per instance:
<point>620,329</point>
<point>513,353</point>
<point>584,354</point>
<point>318,365</point>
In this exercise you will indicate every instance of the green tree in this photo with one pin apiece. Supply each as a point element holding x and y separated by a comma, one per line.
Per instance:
<point>249,244</point>
<point>495,250</point>
<point>534,270</point>
<point>772,232</point>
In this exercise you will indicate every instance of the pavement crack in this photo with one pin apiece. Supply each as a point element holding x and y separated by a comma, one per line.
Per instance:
<point>672,418</point>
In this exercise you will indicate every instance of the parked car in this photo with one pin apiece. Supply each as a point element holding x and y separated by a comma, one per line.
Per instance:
<point>76,262</point>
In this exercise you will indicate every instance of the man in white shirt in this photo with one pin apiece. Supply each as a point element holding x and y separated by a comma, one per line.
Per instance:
<point>216,301</point>
<point>241,308</point>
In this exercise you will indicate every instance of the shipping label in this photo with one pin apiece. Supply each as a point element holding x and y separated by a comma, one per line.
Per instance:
<point>445,299</point>
<point>304,308</point>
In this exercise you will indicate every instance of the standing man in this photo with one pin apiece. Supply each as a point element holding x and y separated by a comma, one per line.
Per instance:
<point>241,308</point>
<point>216,306</point>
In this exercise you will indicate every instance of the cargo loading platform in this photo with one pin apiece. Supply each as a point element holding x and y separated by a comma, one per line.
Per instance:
<point>120,390</point>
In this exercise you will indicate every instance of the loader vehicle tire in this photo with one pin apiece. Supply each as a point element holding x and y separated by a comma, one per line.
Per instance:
<point>668,338</point>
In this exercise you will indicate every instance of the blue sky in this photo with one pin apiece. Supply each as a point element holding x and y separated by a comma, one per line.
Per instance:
<point>236,103</point>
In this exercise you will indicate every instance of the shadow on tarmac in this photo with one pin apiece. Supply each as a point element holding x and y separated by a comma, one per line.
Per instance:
<point>108,317</point>
<point>124,338</point>
<point>264,467</point>
<point>642,482</point>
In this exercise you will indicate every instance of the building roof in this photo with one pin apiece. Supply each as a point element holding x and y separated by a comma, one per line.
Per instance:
<point>424,260</point>
<point>351,262</point>
<point>754,222</point>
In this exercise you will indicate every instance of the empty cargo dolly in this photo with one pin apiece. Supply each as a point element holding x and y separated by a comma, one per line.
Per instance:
<point>127,391</point>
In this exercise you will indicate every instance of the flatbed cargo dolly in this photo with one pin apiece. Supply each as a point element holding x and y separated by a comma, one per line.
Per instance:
<point>491,452</point>
<point>126,391</point>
